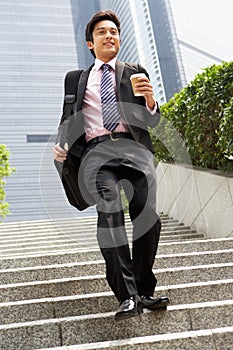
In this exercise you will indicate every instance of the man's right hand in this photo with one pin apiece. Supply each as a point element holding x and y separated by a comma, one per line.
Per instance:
<point>59,153</point>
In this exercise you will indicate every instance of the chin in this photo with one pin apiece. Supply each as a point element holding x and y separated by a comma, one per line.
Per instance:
<point>110,54</point>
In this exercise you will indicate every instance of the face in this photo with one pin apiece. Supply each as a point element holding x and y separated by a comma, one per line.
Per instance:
<point>106,40</point>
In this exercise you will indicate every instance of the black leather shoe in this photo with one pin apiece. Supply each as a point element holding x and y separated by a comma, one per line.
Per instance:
<point>129,308</point>
<point>151,303</point>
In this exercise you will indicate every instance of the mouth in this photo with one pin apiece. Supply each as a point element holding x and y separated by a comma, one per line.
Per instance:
<point>109,44</point>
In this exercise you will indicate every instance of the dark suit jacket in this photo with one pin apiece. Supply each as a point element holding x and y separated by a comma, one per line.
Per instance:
<point>133,109</point>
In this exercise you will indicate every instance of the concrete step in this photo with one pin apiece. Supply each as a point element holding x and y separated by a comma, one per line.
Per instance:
<point>102,327</point>
<point>75,269</point>
<point>60,226</point>
<point>21,239</point>
<point>97,283</point>
<point>32,239</point>
<point>81,230</point>
<point>48,246</point>
<point>69,306</point>
<point>61,256</point>
<point>30,235</point>
<point>89,240</point>
<point>210,339</point>
<point>54,294</point>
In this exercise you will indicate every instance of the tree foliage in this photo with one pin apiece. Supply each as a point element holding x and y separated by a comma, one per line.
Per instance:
<point>202,114</point>
<point>5,170</point>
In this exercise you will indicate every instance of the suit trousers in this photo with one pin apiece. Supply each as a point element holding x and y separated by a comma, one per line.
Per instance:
<point>107,169</point>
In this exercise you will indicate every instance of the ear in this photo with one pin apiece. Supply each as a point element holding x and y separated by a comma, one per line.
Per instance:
<point>90,45</point>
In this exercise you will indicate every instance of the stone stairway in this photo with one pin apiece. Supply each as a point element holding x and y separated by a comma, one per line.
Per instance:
<point>53,292</point>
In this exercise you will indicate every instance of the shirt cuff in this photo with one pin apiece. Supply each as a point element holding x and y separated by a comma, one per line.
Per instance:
<point>154,110</point>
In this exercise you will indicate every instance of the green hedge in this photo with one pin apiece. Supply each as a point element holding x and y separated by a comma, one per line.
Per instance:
<point>5,170</point>
<point>200,118</point>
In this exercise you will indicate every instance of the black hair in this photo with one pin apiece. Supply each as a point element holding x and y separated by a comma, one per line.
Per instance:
<point>100,16</point>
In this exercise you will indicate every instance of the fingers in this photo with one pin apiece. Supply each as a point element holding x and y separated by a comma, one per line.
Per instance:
<point>66,146</point>
<point>144,87</point>
<point>59,153</point>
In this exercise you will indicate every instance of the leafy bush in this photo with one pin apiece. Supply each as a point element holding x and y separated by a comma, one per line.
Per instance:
<point>202,114</point>
<point>225,141</point>
<point>5,170</point>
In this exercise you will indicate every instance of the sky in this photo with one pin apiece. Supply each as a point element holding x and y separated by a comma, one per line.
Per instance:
<point>206,25</point>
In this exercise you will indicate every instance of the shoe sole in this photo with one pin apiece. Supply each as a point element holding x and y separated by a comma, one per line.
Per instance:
<point>160,306</point>
<point>124,316</point>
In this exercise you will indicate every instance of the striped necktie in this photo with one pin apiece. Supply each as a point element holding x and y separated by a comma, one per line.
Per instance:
<point>111,115</point>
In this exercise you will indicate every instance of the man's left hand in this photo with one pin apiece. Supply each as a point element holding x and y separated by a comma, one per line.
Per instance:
<point>145,88</point>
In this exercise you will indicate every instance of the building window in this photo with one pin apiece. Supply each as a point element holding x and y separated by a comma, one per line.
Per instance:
<point>40,138</point>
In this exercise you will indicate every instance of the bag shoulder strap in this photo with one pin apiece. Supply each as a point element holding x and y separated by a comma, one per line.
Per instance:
<point>70,87</point>
<point>71,82</point>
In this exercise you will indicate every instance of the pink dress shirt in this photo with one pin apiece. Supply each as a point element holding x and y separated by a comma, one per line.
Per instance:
<point>93,120</point>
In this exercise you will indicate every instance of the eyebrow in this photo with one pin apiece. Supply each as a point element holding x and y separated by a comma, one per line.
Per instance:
<point>101,28</point>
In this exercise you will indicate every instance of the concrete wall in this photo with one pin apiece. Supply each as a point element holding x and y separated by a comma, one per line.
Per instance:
<point>202,199</point>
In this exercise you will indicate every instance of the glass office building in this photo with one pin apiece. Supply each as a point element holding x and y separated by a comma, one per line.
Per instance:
<point>138,40</point>
<point>37,47</point>
<point>204,33</point>
<point>169,56</point>
<point>81,13</point>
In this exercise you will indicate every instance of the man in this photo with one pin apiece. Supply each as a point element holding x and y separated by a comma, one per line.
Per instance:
<point>113,150</point>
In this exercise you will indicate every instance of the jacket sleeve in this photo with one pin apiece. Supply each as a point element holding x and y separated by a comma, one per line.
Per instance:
<point>153,117</point>
<point>135,107</point>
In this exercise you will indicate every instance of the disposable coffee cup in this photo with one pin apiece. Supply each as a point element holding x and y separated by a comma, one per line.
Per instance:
<point>134,80</point>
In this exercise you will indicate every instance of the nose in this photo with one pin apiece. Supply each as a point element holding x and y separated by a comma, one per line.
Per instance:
<point>108,34</point>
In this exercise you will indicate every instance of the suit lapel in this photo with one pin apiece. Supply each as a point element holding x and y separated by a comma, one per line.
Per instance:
<point>119,72</point>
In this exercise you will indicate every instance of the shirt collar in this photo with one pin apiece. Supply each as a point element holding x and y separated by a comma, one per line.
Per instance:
<point>99,63</point>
